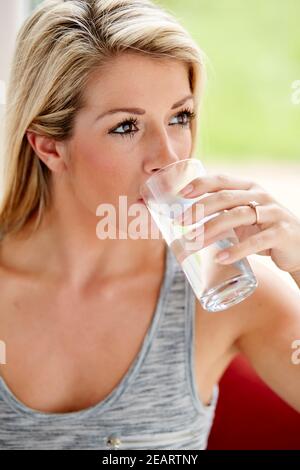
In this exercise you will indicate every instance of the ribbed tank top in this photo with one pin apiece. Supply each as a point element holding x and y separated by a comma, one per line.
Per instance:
<point>154,406</point>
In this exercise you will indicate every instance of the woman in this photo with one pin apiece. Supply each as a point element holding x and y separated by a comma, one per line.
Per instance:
<point>99,333</point>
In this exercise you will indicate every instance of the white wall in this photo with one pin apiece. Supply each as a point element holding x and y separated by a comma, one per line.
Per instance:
<point>12,15</point>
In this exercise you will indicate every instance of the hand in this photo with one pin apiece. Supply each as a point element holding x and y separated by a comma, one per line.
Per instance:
<point>276,235</point>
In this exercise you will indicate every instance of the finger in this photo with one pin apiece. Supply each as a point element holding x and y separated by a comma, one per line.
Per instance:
<point>227,199</point>
<point>256,243</point>
<point>212,183</point>
<point>241,216</point>
<point>197,235</point>
<point>268,212</point>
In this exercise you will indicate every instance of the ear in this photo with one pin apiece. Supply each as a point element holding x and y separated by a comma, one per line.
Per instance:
<point>51,152</point>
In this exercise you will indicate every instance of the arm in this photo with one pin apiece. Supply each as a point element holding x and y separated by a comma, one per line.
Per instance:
<point>270,329</point>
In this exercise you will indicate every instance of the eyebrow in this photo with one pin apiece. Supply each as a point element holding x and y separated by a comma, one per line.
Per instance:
<point>139,110</point>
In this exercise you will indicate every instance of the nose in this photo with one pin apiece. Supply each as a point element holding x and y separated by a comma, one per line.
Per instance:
<point>160,161</point>
<point>161,154</point>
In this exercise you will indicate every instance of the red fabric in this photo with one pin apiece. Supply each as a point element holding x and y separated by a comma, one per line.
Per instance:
<point>249,416</point>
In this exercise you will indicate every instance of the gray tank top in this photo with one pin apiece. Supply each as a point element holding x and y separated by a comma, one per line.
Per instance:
<point>154,406</point>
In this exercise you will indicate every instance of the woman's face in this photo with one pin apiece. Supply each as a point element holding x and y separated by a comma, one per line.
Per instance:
<point>111,156</point>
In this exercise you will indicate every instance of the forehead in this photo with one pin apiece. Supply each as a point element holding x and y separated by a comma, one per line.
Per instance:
<point>138,77</point>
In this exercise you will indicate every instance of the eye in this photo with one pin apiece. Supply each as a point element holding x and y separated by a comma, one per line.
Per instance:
<point>189,114</point>
<point>131,121</point>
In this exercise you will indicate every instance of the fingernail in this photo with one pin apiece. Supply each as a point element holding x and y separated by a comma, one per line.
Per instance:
<point>222,256</point>
<point>187,190</point>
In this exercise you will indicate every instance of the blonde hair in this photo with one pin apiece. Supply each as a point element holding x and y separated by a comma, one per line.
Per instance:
<point>57,49</point>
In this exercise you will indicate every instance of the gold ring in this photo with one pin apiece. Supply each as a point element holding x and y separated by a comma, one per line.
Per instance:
<point>253,205</point>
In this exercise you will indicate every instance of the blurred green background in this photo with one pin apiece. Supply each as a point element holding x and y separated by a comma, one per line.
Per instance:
<point>253,51</point>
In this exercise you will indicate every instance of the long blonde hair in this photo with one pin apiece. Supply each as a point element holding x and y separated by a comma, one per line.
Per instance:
<point>57,49</point>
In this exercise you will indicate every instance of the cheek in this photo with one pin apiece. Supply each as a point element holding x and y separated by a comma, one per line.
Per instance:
<point>100,177</point>
<point>110,170</point>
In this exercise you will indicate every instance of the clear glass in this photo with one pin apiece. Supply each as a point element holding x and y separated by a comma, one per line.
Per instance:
<point>216,286</point>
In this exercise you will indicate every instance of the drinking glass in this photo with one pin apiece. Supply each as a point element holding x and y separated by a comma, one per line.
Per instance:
<point>216,286</point>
